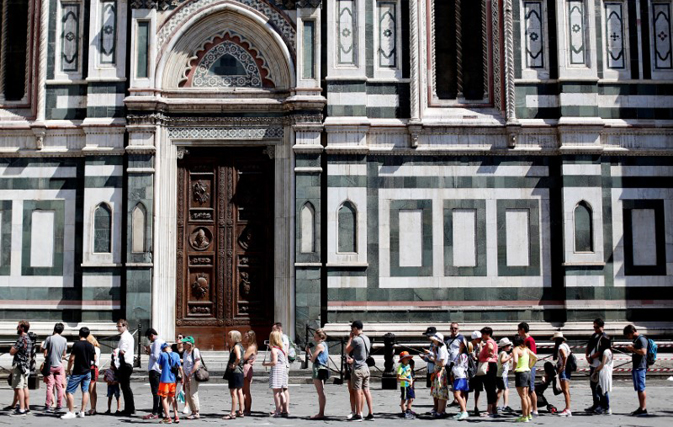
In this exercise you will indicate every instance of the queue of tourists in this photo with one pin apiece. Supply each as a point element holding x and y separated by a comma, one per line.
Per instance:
<point>458,366</point>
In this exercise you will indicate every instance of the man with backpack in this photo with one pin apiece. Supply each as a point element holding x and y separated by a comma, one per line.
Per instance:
<point>21,352</point>
<point>359,344</point>
<point>593,358</point>
<point>639,348</point>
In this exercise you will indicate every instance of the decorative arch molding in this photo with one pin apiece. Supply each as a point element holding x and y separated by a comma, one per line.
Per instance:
<point>252,69</point>
<point>246,30</point>
<point>277,19</point>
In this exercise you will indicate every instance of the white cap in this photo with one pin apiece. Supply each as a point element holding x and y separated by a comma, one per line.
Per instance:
<point>476,335</point>
<point>437,337</point>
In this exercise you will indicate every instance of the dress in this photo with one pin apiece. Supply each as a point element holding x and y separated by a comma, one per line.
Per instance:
<point>247,368</point>
<point>605,374</point>
<point>440,382</point>
<point>278,374</point>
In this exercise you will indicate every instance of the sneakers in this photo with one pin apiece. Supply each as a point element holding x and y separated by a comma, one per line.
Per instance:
<point>507,409</point>
<point>534,414</point>
<point>639,413</point>
<point>591,408</point>
<point>151,417</point>
<point>357,417</point>
<point>166,421</point>
<point>81,414</point>
<point>68,416</point>
<point>18,413</point>
<point>350,416</point>
<point>409,416</point>
<point>462,416</point>
<point>565,413</point>
<point>522,419</point>
<point>369,417</point>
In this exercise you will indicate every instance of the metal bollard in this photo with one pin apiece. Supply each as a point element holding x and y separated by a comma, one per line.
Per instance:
<point>389,379</point>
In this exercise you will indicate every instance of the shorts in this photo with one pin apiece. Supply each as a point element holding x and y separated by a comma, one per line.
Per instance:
<point>94,374</point>
<point>522,379</point>
<point>502,383</point>
<point>235,380</point>
<point>565,375</point>
<point>638,376</point>
<point>407,393</point>
<point>460,384</point>
<point>113,390</point>
<point>360,378</point>
<point>166,390</point>
<point>531,386</point>
<point>78,380</point>
<point>476,384</point>
<point>19,379</point>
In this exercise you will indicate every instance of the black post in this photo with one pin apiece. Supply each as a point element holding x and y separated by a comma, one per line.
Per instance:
<point>389,379</point>
<point>304,364</point>
<point>341,371</point>
<point>136,362</point>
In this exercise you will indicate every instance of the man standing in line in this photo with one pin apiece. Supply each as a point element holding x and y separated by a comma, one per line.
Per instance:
<point>21,351</point>
<point>524,330</point>
<point>359,344</point>
<point>286,348</point>
<point>125,347</point>
<point>593,357</point>
<point>54,348</point>
<point>639,349</point>
<point>83,357</point>
<point>154,370</point>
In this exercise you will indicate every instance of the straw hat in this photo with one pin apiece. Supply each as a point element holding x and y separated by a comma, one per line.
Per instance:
<point>557,335</point>
<point>504,342</point>
<point>438,337</point>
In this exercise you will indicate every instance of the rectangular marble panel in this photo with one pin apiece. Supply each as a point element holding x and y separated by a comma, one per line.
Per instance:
<point>108,31</point>
<point>644,237</point>
<point>465,237</point>
<point>346,31</point>
<point>42,239</point>
<point>576,32</point>
<point>411,238</point>
<point>518,241</point>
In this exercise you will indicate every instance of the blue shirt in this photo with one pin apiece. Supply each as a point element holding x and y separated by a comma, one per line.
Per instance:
<point>166,360</point>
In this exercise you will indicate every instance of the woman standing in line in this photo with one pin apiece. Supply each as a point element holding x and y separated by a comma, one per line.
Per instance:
<point>604,375</point>
<point>93,393</point>
<point>250,343</point>
<point>278,374</point>
<point>235,374</point>
<point>523,358</point>
<point>440,384</point>
<point>561,355</point>
<point>320,360</point>
<point>179,349</point>
<point>191,361</point>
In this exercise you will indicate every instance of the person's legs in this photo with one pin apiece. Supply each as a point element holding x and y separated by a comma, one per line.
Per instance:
<point>157,401</point>
<point>234,396</point>
<point>241,404</point>
<point>86,383</point>
<point>595,395</point>
<point>70,401</point>
<point>247,397</point>
<point>22,399</point>
<point>320,390</point>
<point>565,388</point>
<point>490,386</point>
<point>531,391</point>
<point>368,399</point>
<point>277,400</point>
<point>164,403</point>
<point>194,403</point>
<point>58,374</point>
<point>49,382</point>
<point>125,384</point>
<point>642,400</point>
<point>93,392</point>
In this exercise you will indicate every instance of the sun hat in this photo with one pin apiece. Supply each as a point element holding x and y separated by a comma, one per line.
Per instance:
<point>405,355</point>
<point>430,331</point>
<point>558,334</point>
<point>504,342</point>
<point>438,337</point>
<point>164,345</point>
<point>188,340</point>
<point>476,335</point>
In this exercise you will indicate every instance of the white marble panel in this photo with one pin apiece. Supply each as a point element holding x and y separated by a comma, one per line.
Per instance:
<point>104,170</point>
<point>347,169</point>
<point>138,225</point>
<point>42,239</point>
<point>464,237</point>
<point>411,170</point>
<point>411,238</point>
<point>38,172</point>
<point>654,171</point>
<point>571,197</point>
<point>105,99</point>
<point>581,169</point>
<point>307,229</point>
<point>584,281</point>
<point>383,100</point>
<point>68,102</point>
<point>347,282</point>
<point>644,237</point>
<point>101,281</point>
<point>518,240</point>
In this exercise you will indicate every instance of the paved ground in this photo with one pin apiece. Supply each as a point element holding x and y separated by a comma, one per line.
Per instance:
<point>215,398</point>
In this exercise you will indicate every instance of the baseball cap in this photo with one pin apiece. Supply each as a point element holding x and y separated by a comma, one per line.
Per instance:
<point>430,331</point>
<point>189,340</point>
<point>476,335</point>
<point>164,345</point>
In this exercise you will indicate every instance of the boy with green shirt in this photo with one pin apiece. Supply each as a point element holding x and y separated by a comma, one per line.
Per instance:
<point>405,375</point>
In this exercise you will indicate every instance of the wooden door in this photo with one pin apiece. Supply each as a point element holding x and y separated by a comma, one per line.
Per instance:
<point>225,244</point>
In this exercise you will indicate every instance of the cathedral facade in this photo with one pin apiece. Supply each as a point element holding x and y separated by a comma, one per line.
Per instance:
<point>207,165</point>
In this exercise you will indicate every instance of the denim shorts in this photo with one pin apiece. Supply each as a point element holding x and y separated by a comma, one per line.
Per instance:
<point>76,380</point>
<point>565,375</point>
<point>638,376</point>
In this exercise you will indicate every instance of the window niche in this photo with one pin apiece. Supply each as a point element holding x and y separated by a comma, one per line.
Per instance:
<point>347,231</point>
<point>460,52</point>
<point>307,229</point>
<point>102,236</point>
<point>16,17</point>
<point>138,225</point>
<point>584,233</point>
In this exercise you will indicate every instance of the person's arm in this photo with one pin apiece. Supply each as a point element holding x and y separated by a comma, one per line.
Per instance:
<point>318,349</point>
<point>14,349</point>
<point>70,362</point>
<point>515,357</point>
<point>349,344</point>
<point>490,351</point>
<point>274,358</point>
<point>603,362</point>
<point>197,361</point>
<point>156,351</point>
<point>237,353</point>
<point>182,374</point>
<point>563,359</point>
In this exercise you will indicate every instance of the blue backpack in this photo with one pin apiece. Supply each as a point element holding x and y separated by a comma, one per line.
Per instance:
<point>651,352</point>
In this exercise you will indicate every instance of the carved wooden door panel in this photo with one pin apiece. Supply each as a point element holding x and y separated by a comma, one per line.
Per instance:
<point>225,244</point>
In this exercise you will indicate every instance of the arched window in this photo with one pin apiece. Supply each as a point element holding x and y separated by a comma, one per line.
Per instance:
<point>584,233</point>
<point>307,228</point>
<point>138,221</point>
<point>102,229</point>
<point>347,223</point>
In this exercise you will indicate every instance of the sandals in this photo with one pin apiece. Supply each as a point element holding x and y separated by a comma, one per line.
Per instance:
<point>231,416</point>
<point>194,417</point>
<point>177,420</point>
<point>240,414</point>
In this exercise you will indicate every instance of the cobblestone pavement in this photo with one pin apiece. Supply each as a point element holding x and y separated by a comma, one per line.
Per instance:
<point>215,402</point>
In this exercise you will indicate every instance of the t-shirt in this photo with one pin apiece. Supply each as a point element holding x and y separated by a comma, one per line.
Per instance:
<point>84,355</point>
<point>55,346</point>
<point>503,368</point>
<point>453,345</point>
<point>460,365</point>
<point>404,373</point>
<point>97,352</point>
<point>566,350</point>
<point>166,361</point>
<point>530,343</point>
<point>189,359</point>
<point>126,345</point>
<point>639,362</point>
<point>361,349</point>
<point>442,355</point>
<point>24,348</point>
<point>155,352</point>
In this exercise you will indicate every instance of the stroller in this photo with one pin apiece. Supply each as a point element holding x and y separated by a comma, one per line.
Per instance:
<point>549,378</point>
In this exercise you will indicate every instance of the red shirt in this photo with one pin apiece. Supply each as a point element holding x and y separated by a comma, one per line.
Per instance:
<point>530,343</point>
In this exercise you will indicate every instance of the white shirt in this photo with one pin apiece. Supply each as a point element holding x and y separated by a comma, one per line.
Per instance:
<point>97,353</point>
<point>286,347</point>
<point>155,352</point>
<point>442,355</point>
<point>126,345</point>
<point>189,360</point>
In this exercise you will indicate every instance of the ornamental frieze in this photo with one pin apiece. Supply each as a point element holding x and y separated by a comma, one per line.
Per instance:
<point>172,4</point>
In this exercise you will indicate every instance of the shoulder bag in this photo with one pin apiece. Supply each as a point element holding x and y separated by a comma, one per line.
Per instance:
<point>45,368</point>
<point>370,360</point>
<point>202,375</point>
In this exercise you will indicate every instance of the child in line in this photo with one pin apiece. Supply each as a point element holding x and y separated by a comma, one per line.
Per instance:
<point>504,358</point>
<point>112,383</point>
<point>406,379</point>
<point>170,370</point>
<point>461,386</point>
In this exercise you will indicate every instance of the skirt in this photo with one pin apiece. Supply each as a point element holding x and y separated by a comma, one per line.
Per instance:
<point>440,384</point>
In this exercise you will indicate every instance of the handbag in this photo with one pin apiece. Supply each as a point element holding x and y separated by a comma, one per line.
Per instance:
<point>45,367</point>
<point>482,369</point>
<point>202,375</point>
